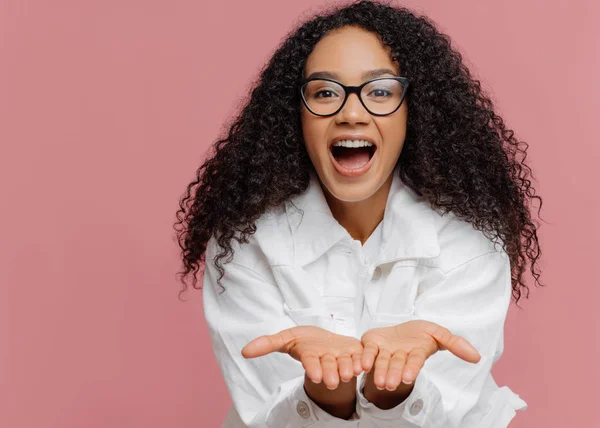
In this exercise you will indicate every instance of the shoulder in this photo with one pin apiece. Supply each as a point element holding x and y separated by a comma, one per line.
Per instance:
<point>460,242</point>
<point>263,247</point>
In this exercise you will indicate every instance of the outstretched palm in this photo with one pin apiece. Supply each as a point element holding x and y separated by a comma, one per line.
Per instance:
<point>399,352</point>
<point>325,356</point>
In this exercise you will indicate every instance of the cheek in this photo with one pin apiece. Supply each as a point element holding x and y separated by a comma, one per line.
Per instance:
<point>314,134</point>
<point>395,134</point>
<point>394,131</point>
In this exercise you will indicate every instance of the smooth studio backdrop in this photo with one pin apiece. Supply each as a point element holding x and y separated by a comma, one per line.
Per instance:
<point>106,110</point>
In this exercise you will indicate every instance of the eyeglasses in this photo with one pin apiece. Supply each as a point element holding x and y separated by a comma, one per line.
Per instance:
<point>380,97</point>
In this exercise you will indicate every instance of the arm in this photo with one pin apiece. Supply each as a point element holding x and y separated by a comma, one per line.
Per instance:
<point>270,391</point>
<point>472,301</point>
<point>384,399</point>
<point>340,403</point>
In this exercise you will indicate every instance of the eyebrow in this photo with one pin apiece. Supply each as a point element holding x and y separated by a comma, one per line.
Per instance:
<point>367,74</point>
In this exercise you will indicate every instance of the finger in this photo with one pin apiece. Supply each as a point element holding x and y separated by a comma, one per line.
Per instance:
<point>369,354</point>
<point>458,345</point>
<point>414,363</point>
<point>263,345</point>
<point>461,347</point>
<point>356,360</point>
<point>381,367</point>
<point>346,371</point>
<point>312,367</point>
<point>331,377</point>
<point>395,368</point>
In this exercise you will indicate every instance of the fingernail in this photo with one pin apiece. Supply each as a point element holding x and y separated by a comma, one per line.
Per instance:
<point>407,382</point>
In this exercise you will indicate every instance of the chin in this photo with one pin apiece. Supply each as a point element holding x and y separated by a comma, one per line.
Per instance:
<point>352,190</point>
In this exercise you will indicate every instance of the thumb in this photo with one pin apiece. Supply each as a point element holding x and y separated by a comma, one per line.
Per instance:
<point>458,345</point>
<point>264,345</point>
<point>461,347</point>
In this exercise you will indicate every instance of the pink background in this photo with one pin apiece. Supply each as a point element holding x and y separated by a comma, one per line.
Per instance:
<point>106,110</point>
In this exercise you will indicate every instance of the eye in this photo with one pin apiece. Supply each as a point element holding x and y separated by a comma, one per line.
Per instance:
<point>326,92</point>
<point>380,93</point>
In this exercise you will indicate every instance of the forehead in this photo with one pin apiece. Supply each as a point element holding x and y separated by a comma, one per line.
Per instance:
<point>349,52</point>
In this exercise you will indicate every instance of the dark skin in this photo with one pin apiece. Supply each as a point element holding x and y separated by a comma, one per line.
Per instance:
<point>355,56</point>
<point>391,356</point>
<point>331,363</point>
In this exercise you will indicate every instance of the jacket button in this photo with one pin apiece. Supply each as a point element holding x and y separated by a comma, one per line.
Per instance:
<point>416,407</point>
<point>377,274</point>
<point>303,410</point>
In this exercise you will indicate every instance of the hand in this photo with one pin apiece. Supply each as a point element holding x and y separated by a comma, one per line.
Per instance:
<point>325,356</point>
<point>399,352</point>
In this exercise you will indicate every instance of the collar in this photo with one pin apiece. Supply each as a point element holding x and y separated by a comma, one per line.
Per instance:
<point>409,229</point>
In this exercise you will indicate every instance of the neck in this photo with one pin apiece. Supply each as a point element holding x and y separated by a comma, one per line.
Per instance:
<point>360,218</point>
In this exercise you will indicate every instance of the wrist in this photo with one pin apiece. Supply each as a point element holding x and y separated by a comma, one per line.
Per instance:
<point>384,399</point>
<point>339,402</point>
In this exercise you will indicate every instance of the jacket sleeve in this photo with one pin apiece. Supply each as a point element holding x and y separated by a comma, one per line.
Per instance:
<point>267,391</point>
<point>472,301</point>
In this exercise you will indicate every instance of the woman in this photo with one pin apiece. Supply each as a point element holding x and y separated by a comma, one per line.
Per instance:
<point>366,210</point>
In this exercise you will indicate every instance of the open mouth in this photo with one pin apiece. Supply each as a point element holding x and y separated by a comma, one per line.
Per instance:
<point>352,157</point>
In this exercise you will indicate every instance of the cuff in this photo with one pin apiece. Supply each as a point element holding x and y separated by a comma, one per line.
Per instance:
<point>294,409</point>
<point>331,421</point>
<point>304,412</point>
<point>414,411</point>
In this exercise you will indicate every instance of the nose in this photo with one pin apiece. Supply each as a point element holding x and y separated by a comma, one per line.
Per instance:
<point>353,111</point>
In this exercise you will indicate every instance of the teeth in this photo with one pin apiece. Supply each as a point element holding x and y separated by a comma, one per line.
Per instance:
<point>352,143</point>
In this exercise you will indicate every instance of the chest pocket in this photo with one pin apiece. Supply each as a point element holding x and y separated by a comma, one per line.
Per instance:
<point>393,302</point>
<point>303,301</point>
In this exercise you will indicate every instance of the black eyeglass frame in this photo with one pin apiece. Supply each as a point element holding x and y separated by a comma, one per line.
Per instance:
<point>354,90</point>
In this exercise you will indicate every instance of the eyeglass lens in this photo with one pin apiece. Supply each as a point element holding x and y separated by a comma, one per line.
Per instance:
<point>380,96</point>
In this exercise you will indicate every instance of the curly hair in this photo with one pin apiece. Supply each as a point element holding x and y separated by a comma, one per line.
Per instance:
<point>457,153</point>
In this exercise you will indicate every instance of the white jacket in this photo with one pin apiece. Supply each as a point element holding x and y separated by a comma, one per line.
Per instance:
<point>301,267</point>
